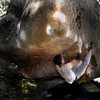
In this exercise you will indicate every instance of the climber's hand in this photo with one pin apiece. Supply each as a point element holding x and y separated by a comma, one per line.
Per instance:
<point>79,42</point>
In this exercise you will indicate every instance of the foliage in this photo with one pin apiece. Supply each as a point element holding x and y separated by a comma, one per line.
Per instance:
<point>7,65</point>
<point>2,87</point>
<point>3,64</point>
<point>30,86</point>
<point>3,6</point>
<point>98,1</point>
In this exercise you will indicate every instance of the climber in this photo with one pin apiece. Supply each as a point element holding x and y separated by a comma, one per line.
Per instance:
<point>74,69</point>
<point>71,71</point>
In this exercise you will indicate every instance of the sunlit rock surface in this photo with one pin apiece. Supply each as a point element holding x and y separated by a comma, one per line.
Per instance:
<point>34,31</point>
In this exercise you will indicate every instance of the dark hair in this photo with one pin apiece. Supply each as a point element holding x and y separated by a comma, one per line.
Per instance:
<point>57,59</point>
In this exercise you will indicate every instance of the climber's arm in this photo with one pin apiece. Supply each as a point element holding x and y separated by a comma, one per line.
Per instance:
<point>76,60</point>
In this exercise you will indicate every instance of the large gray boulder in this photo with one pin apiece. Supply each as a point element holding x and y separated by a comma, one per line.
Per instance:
<point>34,31</point>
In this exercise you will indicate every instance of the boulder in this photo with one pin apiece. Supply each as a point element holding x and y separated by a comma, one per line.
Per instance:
<point>34,31</point>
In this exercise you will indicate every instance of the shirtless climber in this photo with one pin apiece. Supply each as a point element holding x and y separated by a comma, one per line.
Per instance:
<point>71,72</point>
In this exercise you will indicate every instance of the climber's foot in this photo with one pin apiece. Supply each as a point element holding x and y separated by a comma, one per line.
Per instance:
<point>91,46</point>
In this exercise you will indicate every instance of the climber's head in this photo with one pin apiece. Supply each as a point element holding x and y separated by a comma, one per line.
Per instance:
<point>59,60</point>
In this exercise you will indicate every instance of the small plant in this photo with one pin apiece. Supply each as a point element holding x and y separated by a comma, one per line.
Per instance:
<point>28,86</point>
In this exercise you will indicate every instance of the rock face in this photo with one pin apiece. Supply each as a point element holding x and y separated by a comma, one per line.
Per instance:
<point>34,31</point>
